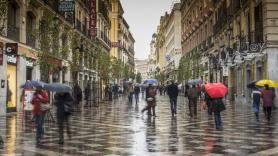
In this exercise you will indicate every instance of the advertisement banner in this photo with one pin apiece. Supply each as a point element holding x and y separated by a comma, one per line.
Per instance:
<point>1,53</point>
<point>28,96</point>
<point>93,18</point>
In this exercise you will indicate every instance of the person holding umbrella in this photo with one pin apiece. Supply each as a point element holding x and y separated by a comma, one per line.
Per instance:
<point>151,100</point>
<point>267,97</point>
<point>40,98</point>
<point>192,97</point>
<point>216,92</point>
<point>256,94</point>
<point>63,102</point>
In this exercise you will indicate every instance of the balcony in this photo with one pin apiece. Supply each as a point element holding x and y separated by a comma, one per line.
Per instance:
<point>13,32</point>
<point>84,30</point>
<point>30,40</point>
<point>105,38</point>
<point>78,25</point>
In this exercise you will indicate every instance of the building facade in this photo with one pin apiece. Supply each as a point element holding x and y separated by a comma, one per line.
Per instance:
<point>173,42</point>
<point>231,41</point>
<point>152,58</point>
<point>141,66</point>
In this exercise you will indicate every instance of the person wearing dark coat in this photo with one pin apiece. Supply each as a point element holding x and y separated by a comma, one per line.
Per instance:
<point>148,96</point>
<point>77,93</point>
<point>136,93</point>
<point>87,94</point>
<point>63,102</point>
<point>217,106</point>
<point>256,94</point>
<point>192,97</point>
<point>173,92</point>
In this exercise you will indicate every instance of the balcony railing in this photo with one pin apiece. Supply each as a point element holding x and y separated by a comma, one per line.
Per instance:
<point>84,30</point>
<point>13,32</point>
<point>105,38</point>
<point>30,40</point>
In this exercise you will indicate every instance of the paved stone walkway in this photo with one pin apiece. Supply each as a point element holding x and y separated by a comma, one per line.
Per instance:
<point>118,128</point>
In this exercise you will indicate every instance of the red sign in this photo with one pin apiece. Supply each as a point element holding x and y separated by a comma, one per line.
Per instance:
<point>93,18</point>
<point>11,48</point>
<point>1,53</point>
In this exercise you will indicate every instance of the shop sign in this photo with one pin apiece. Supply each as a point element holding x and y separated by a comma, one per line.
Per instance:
<point>93,18</point>
<point>66,6</point>
<point>29,64</point>
<point>1,53</point>
<point>248,47</point>
<point>11,59</point>
<point>11,48</point>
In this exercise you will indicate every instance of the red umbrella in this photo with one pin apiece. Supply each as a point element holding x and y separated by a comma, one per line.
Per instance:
<point>216,90</point>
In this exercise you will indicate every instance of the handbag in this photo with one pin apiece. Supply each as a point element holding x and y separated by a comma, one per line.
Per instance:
<point>45,107</point>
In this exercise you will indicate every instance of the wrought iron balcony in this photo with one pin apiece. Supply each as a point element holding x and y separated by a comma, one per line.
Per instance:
<point>30,40</point>
<point>13,32</point>
<point>84,30</point>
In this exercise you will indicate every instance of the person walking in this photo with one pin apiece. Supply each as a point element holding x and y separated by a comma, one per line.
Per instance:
<point>217,106</point>
<point>77,93</point>
<point>151,100</point>
<point>136,93</point>
<point>63,102</point>
<point>87,93</point>
<point>207,100</point>
<point>173,92</point>
<point>267,97</point>
<point>143,92</point>
<point>193,96</point>
<point>256,94</point>
<point>40,98</point>
<point>130,92</point>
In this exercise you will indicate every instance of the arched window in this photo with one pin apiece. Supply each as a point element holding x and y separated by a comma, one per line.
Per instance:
<point>13,21</point>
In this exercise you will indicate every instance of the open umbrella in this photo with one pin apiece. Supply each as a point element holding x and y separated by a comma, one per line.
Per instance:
<point>252,84</point>
<point>151,81</point>
<point>216,90</point>
<point>270,83</point>
<point>32,83</point>
<point>58,88</point>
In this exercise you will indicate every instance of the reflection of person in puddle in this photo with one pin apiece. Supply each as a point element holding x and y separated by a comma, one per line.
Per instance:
<point>150,135</point>
<point>173,137</point>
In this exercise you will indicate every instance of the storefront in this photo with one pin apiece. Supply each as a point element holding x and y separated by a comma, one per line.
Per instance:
<point>11,83</point>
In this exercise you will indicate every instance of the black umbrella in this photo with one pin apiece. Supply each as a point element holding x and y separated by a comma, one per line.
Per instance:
<point>252,84</point>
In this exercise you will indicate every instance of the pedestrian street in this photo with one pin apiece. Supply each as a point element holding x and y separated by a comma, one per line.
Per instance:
<point>119,129</point>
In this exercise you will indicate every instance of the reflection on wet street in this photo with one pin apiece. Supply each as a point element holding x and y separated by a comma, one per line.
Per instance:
<point>119,128</point>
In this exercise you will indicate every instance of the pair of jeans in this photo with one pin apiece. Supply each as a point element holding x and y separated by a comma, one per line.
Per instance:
<point>62,122</point>
<point>267,111</point>
<point>173,102</point>
<point>130,97</point>
<point>136,97</point>
<point>39,120</point>
<point>193,106</point>
<point>217,119</point>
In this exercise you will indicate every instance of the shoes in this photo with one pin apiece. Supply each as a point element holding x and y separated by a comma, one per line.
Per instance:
<point>38,142</point>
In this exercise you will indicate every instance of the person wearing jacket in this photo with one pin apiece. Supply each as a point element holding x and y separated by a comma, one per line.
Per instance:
<point>63,102</point>
<point>151,100</point>
<point>173,92</point>
<point>217,106</point>
<point>267,97</point>
<point>40,98</point>
<point>192,97</point>
<point>136,93</point>
<point>256,94</point>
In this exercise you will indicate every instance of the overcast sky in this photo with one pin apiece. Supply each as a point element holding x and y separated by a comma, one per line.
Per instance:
<point>143,18</point>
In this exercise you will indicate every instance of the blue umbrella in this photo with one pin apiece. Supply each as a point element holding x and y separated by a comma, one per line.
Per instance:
<point>151,81</point>
<point>194,82</point>
<point>58,88</point>
<point>32,83</point>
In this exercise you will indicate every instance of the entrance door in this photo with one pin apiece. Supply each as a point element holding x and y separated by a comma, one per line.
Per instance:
<point>11,88</point>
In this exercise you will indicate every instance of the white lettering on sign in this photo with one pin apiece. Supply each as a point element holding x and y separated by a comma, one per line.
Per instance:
<point>11,59</point>
<point>29,63</point>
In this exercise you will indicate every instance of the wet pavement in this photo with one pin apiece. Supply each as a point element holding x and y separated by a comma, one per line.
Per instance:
<point>119,128</point>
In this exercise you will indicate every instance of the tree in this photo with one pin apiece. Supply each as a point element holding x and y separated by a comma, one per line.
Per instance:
<point>138,78</point>
<point>3,15</point>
